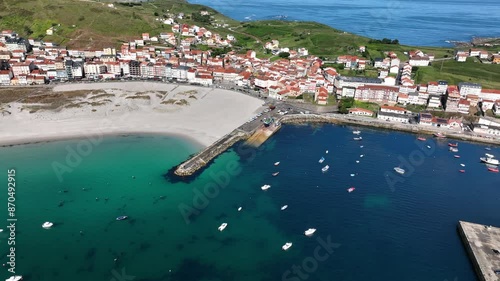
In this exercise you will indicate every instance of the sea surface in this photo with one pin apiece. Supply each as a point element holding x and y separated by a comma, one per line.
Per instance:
<point>390,227</point>
<point>419,23</point>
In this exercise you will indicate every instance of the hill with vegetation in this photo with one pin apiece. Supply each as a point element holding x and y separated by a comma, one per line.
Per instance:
<point>94,24</point>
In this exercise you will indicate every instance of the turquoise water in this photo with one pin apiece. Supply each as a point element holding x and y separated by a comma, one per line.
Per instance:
<point>381,231</point>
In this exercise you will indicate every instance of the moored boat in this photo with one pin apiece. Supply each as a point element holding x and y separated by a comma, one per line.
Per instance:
<point>358,139</point>
<point>421,139</point>
<point>222,227</point>
<point>275,174</point>
<point>429,146</point>
<point>276,163</point>
<point>453,149</point>
<point>399,170</point>
<point>456,156</point>
<point>356,132</point>
<point>310,231</point>
<point>350,189</point>
<point>453,144</point>
<point>489,160</point>
<point>120,218</point>
<point>491,169</point>
<point>287,246</point>
<point>265,187</point>
<point>461,171</point>
<point>47,224</point>
<point>14,278</point>
<point>284,207</point>
<point>439,135</point>
<point>326,152</point>
<point>239,209</point>
<point>487,148</point>
<point>324,169</point>
<point>321,160</point>
<point>463,165</point>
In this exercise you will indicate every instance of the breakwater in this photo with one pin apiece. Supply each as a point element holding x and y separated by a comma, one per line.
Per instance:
<point>205,156</point>
<point>482,244</point>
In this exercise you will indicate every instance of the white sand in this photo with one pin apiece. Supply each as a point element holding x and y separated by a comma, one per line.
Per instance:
<point>211,115</point>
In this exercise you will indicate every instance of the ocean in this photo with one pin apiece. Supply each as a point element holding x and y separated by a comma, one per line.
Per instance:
<point>418,23</point>
<point>390,227</point>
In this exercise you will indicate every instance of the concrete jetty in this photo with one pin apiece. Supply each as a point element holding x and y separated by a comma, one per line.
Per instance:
<point>205,156</point>
<point>482,243</point>
<point>262,134</point>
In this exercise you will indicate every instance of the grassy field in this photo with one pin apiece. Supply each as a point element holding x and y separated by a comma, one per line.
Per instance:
<point>488,75</point>
<point>367,105</point>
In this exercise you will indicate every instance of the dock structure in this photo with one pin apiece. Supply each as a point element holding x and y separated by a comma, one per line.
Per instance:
<point>262,134</point>
<point>205,156</point>
<point>482,243</point>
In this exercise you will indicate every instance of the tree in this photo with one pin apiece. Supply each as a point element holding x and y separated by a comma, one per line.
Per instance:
<point>345,104</point>
<point>284,55</point>
<point>156,14</point>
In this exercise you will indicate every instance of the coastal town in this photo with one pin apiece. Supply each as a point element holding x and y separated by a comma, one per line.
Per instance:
<point>294,75</point>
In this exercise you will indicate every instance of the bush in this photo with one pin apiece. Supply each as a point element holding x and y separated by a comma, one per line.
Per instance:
<point>284,55</point>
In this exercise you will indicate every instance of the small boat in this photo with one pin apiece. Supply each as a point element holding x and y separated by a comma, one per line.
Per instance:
<point>326,152</point>
<point>222,227</point>
<point>453,149</point>
<point>429,146</point>
<point>275,174</point>
<point>239,209</point>
<point>489,155</point>
<point>324,169</point>
<point>284,207</point>
<point>463,165</point>
<point>456,156</point>
<point>15,278</point>
<point>265,187</point>
<point>421,139</point>
<point>352,175</point>
<point>360,146</point>
<point>399,170</point>
<point>487,148</point>
<point>321,160</point>
<point>310,231</point>
<point>277,163</point>
<point>461,171</point>
<point>286,246</point>
<point>358,139</point>
<point>453,144</point>
<point>47,225</point>
<point>491,169</point>
<point>357,161</point>
<point>120,218</point>
<point>361,156</point>
<point>356,132</point>
<point>350,189</point>
<point>439,135</point>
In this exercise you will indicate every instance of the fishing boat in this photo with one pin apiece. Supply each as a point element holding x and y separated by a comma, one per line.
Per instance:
<point>439,135</point>
<point>324,169</point>
<point>321,160</point>
<point>310,231</point>
<point>456,156</point>
<point>421,139</point>
<point>491,169</point>
<point>239,209</point>
<point>356,132</point>
<point>47,224</point>
<point>284,207</point>
<point>453,144</point>
<point>222,227</point>
<point>461,171</point>
<point>350,189</point>
<point>276,163</point>
<point>489,155</point>
<point>358,139</point>
<point>399,170</point>
<point>286,246</point>
<point>453,149</point>
<point>120,218</point>
<point>489,160</point>
<point>265,187</point>
<point>275,174</point>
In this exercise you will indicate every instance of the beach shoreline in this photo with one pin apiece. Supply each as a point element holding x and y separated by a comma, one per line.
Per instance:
<point>200,114</point>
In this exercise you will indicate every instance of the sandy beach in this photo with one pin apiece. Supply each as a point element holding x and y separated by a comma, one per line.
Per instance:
<point>199,113</point>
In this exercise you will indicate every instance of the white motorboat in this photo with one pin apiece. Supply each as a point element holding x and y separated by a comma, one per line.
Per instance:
<point>356,132</point>
<point>47,224</point>
<point>239,209</point>
<point>310,231</point>
<point>286,246</point>
<point>463,165</point>
<point>357,161</point>
<point>222,226</point>
<point>361,156</point>
<point>399,170</point>
<point>326,152</point>
<point>361,146</point>
<point>284,207</point>
<point>265,187</point>
<point>277,163</point>
<point>324,169</point>
<point>358,139</point>
<point>352,175</point>
<point>15,278</point>
<point>453,149</point>
<point>491,161</point>
<point>321,160</point>
<point>489,155</point>
<point>429,146</point>
<point>276,174</point>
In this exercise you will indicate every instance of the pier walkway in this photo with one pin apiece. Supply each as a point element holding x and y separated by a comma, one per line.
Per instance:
<point>482,243</point>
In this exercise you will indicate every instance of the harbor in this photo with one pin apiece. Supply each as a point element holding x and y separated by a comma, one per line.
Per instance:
<point>482,243</point>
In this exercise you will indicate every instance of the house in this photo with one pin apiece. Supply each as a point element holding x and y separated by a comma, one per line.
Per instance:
<point>348,92</point>
<point>434,101</point>
<point>377,93</point>
<point>403,98</point>
<point>5,77</point>
<point>461,56</point>
<point>425,119</point>
<point>486,126</point>
<point>474,52</point>
<point>467,88</point>
<point>452,99</point>
<point>362,49</point>
<point>321,96</point>
<point>483,54</point>
<point>50,31</point>
<point>473,99</point>
<point>273,92</point>
<point>394,114</point>
<point>393,109</point>
<point>419,61</point>
<point>496,108</point>
<point>487,104</point>
<point>394,69</point>
<point>464,106</point>
<point>360,112</point>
